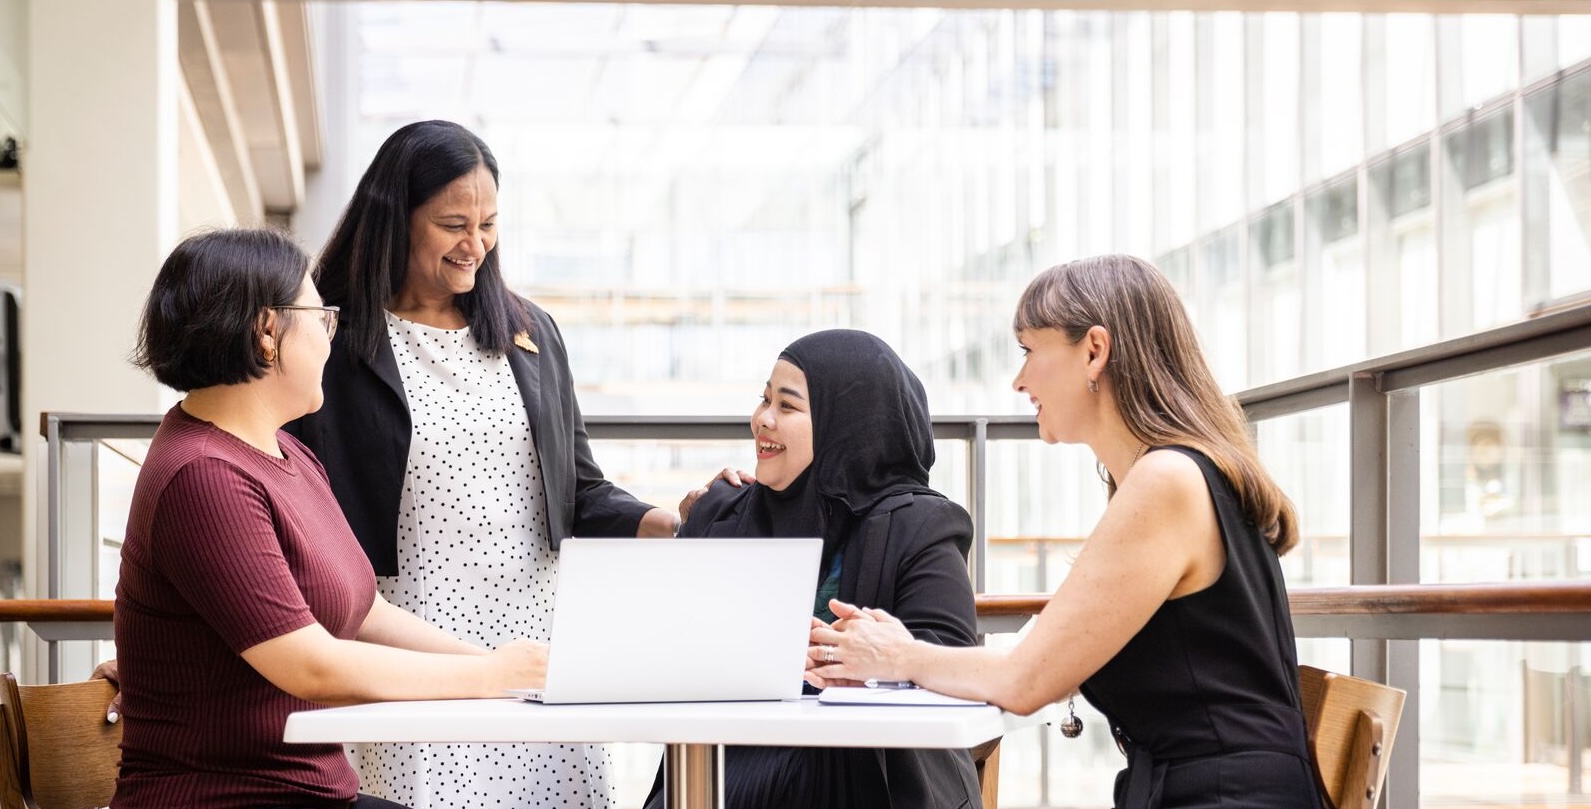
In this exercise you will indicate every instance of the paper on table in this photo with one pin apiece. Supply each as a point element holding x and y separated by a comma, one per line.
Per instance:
<point>851,695</point>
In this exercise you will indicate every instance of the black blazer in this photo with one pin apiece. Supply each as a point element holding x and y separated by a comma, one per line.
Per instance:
<point>908,556</point>
<point>361,435</point>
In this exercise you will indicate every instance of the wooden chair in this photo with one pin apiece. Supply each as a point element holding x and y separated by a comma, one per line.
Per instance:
<point>60,750</point>
<point>1352,724</point>
<point>986,757</point>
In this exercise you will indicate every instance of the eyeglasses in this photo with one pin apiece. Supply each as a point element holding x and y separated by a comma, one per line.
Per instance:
<point>328,316</point>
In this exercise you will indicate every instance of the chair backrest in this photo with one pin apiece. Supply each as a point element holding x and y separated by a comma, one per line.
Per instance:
<point>67,756</point>
<point>1352,724</point>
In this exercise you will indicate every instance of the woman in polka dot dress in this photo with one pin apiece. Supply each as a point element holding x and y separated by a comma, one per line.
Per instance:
<point>456,448</point>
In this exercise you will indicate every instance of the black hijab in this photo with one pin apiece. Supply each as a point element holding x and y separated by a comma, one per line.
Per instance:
<point>871,439</point>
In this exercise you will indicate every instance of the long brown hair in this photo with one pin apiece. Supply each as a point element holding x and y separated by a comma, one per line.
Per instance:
<point>1164,389</point>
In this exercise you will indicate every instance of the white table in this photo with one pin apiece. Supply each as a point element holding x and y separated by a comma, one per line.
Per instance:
<point>694,732</point>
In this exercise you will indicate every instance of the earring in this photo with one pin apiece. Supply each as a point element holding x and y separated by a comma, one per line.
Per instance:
<point>1071,726</point>
<point>269,354</point>
<point>1093,386</point>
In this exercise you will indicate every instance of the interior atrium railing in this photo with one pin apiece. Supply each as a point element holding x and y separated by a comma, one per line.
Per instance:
<point>1383,610</point>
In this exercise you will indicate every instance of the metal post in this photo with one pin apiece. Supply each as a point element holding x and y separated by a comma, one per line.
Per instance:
<point>693,776</point>
<point>978,497</point>
<point>1367,538</point>
<point>1402,790</point>
<point>1574,714</point>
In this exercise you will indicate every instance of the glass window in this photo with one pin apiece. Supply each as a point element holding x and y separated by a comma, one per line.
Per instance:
<point>1180,148</point>
<point>1574,39</point>
<point>1404,296</point>
<point>1473,754</point>
<point>1222,193</point>
<point>1332,214</point>
<point>1558,190</point>
<point>1511,452</point>
<point>1489,48</point>
<point>1278,296</point>
<point>1482,258</point>
<point>1221,312</point>
<point>1483,151</point>
<point>1410,64</point>
<point>1307,454</point>
<point>1178,267</point>
<point>1279,130</point>
<point>1341,100</point>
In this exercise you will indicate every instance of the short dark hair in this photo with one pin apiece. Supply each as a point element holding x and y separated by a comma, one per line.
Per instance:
<point>201,322</point>
<point>367,257</point>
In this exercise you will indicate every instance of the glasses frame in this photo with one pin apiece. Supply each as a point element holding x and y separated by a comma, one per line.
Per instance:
<point>328,318</point>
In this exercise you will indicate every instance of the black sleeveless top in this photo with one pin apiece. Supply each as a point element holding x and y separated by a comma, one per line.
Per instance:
<point>1204,699</point>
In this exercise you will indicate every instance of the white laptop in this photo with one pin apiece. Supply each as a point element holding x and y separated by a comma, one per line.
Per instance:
<point>680,620</point>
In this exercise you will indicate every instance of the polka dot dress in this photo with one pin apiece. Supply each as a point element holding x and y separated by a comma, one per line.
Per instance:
<point>473,559</point>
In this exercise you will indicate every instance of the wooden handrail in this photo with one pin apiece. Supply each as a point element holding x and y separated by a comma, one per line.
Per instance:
<point>1370,599</point>
<point>1386,599</point>
<point>55,610</point>
<point>1444,599</point>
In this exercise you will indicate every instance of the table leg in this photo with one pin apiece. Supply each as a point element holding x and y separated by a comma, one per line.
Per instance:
<point>693,776</point>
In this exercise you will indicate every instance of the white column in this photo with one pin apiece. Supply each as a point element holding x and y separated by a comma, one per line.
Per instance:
<point>99,175</point>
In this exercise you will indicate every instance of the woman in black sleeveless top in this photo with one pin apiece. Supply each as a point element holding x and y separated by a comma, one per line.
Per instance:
<point>1173,620</point>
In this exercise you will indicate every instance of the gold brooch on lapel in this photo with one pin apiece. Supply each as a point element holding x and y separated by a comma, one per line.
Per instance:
<point>522,340</point>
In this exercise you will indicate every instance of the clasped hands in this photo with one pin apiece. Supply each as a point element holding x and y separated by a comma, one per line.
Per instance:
<point>861,644</point>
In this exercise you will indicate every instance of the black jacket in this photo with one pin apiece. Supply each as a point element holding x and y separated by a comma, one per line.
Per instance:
<point>361,435</point>
<point>908,556</point>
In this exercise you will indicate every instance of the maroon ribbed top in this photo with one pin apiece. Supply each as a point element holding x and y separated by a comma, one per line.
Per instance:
<point>227,547</point>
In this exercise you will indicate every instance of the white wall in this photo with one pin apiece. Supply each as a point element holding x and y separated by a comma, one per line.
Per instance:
<point>99,191</point>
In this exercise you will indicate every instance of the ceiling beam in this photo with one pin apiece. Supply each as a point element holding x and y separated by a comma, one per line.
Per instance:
<point>211,90</point>
<point>249,38</point>
<point>298,50</point>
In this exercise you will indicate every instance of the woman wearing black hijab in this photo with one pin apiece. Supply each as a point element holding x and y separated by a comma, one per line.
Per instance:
<point>844,445</point>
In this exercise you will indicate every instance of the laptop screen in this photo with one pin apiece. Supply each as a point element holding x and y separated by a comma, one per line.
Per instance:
<point>630,613</point>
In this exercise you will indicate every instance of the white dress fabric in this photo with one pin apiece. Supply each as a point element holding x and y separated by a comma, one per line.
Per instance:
<point>473,559</point>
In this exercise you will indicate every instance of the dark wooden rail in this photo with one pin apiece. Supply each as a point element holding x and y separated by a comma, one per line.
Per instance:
<point>1549,598</point>
<point>1387,599</point>
<point>54,610</point>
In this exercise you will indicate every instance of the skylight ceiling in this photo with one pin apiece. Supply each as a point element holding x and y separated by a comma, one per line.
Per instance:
<point>600,112</point>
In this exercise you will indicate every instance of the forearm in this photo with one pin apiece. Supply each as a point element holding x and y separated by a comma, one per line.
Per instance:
<point>977,672</point>
<point>657,523</point>
<point>311,664</point>
<point>1020,679</point>
<point>389,625</point>
<point>369,672</point>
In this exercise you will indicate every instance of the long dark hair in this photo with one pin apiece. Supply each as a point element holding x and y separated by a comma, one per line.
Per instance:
<point>1164,389</point>
<point>367,257</point>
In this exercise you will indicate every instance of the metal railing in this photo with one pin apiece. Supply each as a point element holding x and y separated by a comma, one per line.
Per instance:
<point>1383,400</point>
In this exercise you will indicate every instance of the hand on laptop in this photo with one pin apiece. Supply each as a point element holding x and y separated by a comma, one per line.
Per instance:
<point>736,478</point>
<point>518,663</point>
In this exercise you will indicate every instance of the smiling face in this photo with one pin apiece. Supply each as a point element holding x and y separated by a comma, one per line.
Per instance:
<point>1054,376</point>
<point>782,427</point>
<point>450,235</point>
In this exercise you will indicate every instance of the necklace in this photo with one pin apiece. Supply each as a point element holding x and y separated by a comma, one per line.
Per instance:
<point>1104,474</point>
<point>1136,455</point>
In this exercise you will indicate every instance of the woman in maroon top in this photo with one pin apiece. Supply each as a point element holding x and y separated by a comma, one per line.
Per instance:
<point>243,594</point>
